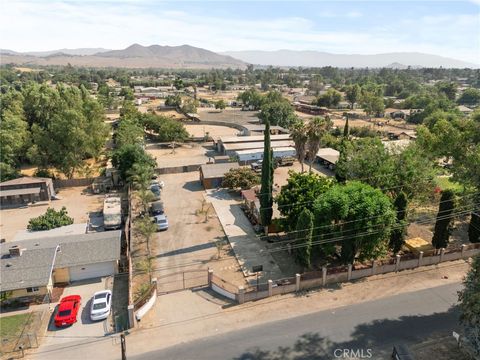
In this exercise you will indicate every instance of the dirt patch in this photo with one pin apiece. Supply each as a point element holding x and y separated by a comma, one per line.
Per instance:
<point>79,201</point>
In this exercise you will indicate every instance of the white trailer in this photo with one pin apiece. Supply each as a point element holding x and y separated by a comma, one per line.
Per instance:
<point>247,156</point>
<point>112,212</point>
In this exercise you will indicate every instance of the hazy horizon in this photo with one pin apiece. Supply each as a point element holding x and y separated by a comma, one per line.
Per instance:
<point>448,29</point>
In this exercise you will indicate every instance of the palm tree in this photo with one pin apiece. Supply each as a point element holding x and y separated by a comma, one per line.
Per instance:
<point>300,138</point>
<point>316,128</point>
<point>140,176</point>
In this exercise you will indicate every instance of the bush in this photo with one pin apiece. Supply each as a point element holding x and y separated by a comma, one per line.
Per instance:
<point>50,220</point>
<point>243,178</point>
<point>44,173</point>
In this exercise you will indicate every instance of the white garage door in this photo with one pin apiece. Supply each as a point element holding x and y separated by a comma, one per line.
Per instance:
<point>92,270</point>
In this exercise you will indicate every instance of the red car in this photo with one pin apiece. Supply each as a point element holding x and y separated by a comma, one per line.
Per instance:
<point>67,310</point>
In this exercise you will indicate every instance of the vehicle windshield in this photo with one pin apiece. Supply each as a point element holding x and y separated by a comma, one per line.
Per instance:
<point>65,313</point>
<point>155,190</point>
<point>101,296</point>
<point>162,221</point>
<point>99,306</point>
<point>112,218</point>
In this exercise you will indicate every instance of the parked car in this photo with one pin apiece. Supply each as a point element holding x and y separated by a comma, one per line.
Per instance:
<point>158,183</point>
<point>161,221</point>
<point>157,208</point>
<point>101,305</point>
<point>67,310</point>
<point>155,189</point>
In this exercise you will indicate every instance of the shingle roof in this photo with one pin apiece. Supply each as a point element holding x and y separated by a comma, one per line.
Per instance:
<point>25,180</point>
<point>31,267</point>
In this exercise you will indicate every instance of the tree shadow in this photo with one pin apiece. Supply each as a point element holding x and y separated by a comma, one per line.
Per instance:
<point>377,337</point>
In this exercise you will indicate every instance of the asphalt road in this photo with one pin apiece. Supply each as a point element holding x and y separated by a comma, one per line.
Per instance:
<point>369,328</point>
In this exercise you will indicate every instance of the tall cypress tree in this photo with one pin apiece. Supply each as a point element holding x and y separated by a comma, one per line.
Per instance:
<point>346,129</point>
<point>266,197</point>
<point>443,226</point>
<point>398,233</point>
<point>303,236</point>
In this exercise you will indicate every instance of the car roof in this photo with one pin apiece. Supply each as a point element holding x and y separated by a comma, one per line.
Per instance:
<point>102,292</point>
<point>160,217</point>
<point>157,204</point>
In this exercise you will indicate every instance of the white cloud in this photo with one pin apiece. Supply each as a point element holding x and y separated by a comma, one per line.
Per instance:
<point>33,25</point>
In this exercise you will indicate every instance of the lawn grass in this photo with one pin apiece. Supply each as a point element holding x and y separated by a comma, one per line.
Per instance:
<point>12,325</point>
<point>444,183</point>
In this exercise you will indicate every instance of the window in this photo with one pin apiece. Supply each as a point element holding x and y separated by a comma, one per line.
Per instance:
<point>32,289</point>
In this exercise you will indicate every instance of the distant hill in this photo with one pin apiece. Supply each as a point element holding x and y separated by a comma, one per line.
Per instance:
<point>319,59</point>
<point>134,56</point>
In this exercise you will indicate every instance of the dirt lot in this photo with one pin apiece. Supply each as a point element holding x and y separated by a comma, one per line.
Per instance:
<point>189,243</point>
<point>187,154</point>
<point>199,130</point>
<point>233,115</point>
<point>79,204</point>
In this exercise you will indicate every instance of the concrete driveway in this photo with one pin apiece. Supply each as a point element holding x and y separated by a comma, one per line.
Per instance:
<point>84,328</point>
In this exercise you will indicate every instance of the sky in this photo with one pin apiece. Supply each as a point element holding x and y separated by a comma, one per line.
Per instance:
<point>447,28</point>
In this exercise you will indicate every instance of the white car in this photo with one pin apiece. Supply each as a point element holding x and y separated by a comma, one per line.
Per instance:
<point>161,221</point>
<point>158,183</point>
<point>101,305</point>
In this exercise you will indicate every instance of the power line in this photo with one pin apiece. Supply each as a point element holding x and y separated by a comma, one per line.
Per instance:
<point>346,237</point>
<point>361,219</point>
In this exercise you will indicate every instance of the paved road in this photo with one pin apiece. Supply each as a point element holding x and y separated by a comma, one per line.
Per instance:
<point>375,325</point>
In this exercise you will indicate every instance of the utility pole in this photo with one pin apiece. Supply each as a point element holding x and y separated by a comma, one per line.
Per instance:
<point>123,346</point>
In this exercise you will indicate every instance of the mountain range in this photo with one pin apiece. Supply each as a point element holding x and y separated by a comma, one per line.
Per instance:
<point>186,56</point>
<point>319,59</point>
<point>134,56</point>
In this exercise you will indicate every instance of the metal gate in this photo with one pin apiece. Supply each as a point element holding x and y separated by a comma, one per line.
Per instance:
<point>181,280</point>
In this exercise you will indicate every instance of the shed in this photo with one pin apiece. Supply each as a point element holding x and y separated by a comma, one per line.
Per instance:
<point>211,175</point>
<point>328,157</point>
<point>25,190</point>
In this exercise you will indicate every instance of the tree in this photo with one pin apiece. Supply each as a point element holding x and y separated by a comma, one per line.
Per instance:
<point>140,175</point>
<point>147,266</point>
<point>303,238</point>
<point>14,135</point>
<point>251,97</point>
<point>346,129</point>
<point>316,129</point>
<point>448,88</point>
<point>145,228</point>
<point>50,220</point>
<point>166,129</point>
<point>444,223</point>
<point>410,170</point>
<point>474,226</point>
<point>278,113</point>
<point>397,237</point>
<point>300,192</point>
<point>220,104</point>
<point>129,132</point>
<point>469,299</point>
<point>243,178</point>
<point>300,138</point>
<point>189,106</point>
<point>126,156</point>
<point>266,197</point>
<point>127,93</point>
<point>330,99</point>
<point>372,104</point>
<point>352,94</point>
<point>470,96</point>
<point>173,100</point>
<point>357,217</point>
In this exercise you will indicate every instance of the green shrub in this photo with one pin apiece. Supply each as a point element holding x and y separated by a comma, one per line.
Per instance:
<point>50,220</point>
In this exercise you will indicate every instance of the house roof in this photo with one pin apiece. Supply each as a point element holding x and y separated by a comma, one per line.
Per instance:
<point>253,138</point>
<point>329,154</point>
<point>258,145</point>
<point>211,171</point>
<point>30,269</point>
<point>25,180</point>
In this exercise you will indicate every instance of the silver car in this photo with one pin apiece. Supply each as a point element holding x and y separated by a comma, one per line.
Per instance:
<point>161,221</point>
<point>101,305</point>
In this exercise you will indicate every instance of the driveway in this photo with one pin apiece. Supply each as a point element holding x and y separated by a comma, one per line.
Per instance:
<point>249,249</point>
<point>84,328</point>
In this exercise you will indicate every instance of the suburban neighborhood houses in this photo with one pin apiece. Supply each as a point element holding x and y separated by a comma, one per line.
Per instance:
<point>171,202</point>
